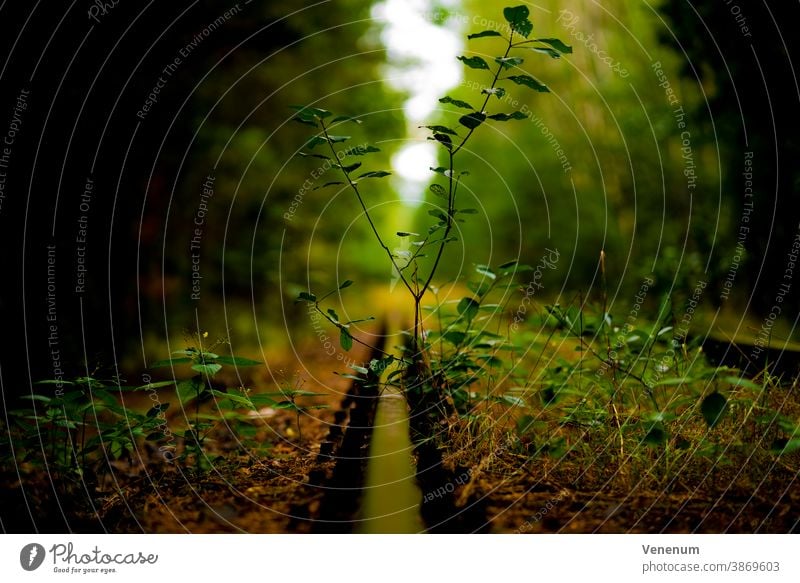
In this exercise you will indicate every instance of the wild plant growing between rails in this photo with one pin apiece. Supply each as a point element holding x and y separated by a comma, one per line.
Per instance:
<point>425,373</point>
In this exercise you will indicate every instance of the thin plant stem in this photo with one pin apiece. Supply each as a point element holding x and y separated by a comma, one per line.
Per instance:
<point>451,197</point>
<point>355,190</point>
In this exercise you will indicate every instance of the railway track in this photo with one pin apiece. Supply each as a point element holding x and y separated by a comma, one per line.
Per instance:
<point>375,479</point>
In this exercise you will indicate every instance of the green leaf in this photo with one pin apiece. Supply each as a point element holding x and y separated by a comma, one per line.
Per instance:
<point>787,425</point>
<point>472,120</point>
<point>438,190</point>
<point>115,449</point>
<point>521,268</point>
<point>346,283</point>
<point>67,423</point>
<point>547,51</point>
<point>307,155</point>
<point>513,401</point>
<point>486,271</point>
<point>556,45</point>
<point>529,81</point>
<point>741,382</point>
<point>440,130</point>
<point>337,139</point>
<point>240,399</point>
<point>351,167</point>
<point>157,385</point>
<point>155,410</point>
<point>456,102</point>
<point>327,184</point>
<point>351,377</point>
<point>237,361</point>
<point>406,234</point>
<point>209,369</point>
<point>468,308</point>
<point>344,118</point>
<point>524,27</point>
<point>360,150</point>
<point>375,174</point>
<point>467,211</point>
<point>713,407</point>
<point>42,398</point>
<point>517,17</point>
<point>515,14</point>
<point>187,390</point>
<point>170,362</point>
<point>345,339</point>
<point>261,400</point>
<point>306,297</point>
<point>508,62</point>
<point>314,142</point>
<point>508,116</point>
<point>508,264</point>
<point>526,423</point>
<point>438,214</point>
<point>332,313</point>
<point>53,382</point>
<point>674,381</point>
<point>478,288</point>
<point>483,33</point>
<point>319,140</point>
<point>441,170</point>
<point>307,112</point>
<point>474,62</point>
<point>309,115</point>
<point>305,122</point>
<point>359,369</point>
<point>444,139</point>
<point>454,337</point>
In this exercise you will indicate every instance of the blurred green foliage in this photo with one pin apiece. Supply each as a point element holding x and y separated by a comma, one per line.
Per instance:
<point>622,157</point>
<point>260,229</point>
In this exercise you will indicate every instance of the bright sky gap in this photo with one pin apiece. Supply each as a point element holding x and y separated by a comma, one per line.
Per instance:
<point>422,46</point>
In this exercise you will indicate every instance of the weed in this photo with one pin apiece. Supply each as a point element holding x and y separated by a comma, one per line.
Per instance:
<point>440,366</point>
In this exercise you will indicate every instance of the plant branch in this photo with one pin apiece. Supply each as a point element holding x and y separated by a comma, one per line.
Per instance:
<point>453,183</point>
<point>489,92</point>
<point>450,210</point>
<point>451,196</point>
<point>364,208</point>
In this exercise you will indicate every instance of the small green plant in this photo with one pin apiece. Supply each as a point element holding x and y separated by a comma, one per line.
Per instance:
<point>467,349</point>
<point>81,425</point>
<point>429,375</point>
<point>193,392</point>
<point>289,401</point>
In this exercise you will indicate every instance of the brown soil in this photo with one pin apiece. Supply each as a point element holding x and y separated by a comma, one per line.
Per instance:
<point>526,503</point>
<point>284,491</point>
